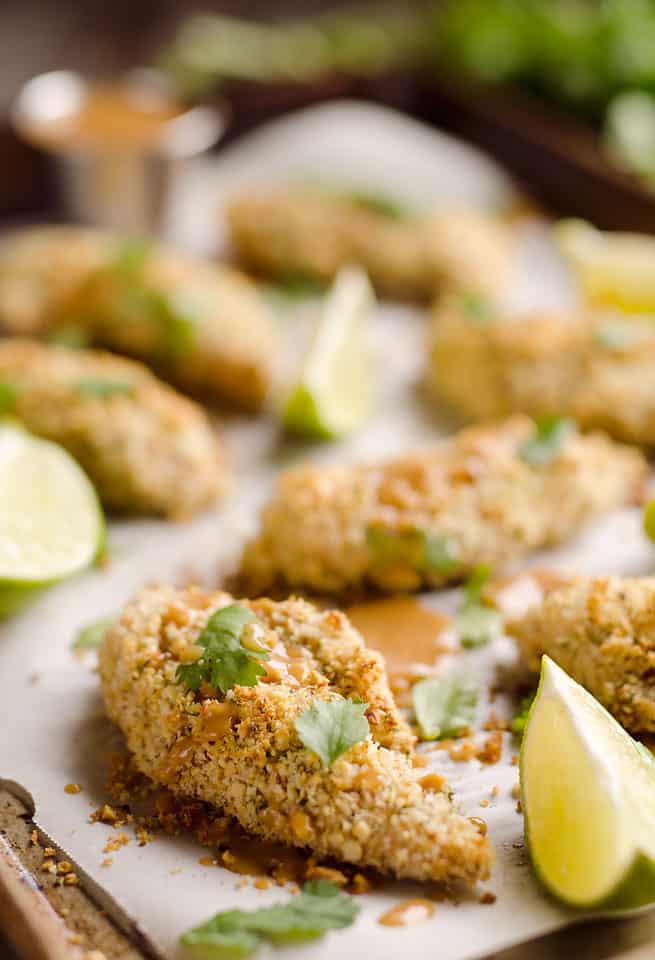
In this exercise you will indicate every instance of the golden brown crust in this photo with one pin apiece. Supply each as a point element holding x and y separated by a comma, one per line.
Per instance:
<point>475,490</point>
<point>602,631</point>
<point>367,809</point>
<point>591,367</point>
<point>146,448</point>
<point>304,232</point>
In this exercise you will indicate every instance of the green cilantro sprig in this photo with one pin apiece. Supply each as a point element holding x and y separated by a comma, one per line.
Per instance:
<point>91,636</point>
<point>476,623</point>
<point>98,389</point>
<point>475,307</point>
<point>551,433</point>
<point>238,933</point>
<point>444,706</point>
<point>224,662</point>
<point>329,728</point>
<point>421,549</point>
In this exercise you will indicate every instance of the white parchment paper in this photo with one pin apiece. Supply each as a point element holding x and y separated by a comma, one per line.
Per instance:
<point>53,728</point>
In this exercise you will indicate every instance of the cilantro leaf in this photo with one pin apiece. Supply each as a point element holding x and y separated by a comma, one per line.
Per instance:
<point>520,718</point>
<point>233,933</point>
<point>421,549</point>
<point>131,256</point>
<point>72,335</point>
<point>329,728</point>
<point>97,389</point>
<point>475,307</point>
<point>224,662</point>
<point>91,636</point>
<point>551,433</point>
<point>444,706</point>
<point>618,335</point>
<point>476,623</point>
<point>8,397</point>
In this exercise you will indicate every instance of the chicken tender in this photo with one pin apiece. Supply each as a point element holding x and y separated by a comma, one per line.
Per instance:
<point>40,269</point>
<point>602,631</point>
<point>299,232</point>
<point>429,518</point>
<point>146,448</point>
<point>242,752</point>
<point>205,328</point>
<point>595,368</point>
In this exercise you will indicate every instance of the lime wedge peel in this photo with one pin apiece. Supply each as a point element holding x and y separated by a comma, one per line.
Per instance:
<point>588,795</point>
<point>334,393</point>
<point>51,522</point>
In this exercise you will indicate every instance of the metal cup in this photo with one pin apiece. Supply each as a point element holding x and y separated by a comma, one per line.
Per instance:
<point>113,185</point>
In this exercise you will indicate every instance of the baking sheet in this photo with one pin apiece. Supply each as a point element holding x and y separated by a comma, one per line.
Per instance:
<point>54,731</point>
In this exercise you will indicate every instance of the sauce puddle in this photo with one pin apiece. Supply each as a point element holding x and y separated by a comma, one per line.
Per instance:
<point>403,630</point>
<point>407,913</point>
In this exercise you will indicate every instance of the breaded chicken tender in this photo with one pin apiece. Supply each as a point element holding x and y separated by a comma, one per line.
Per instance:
<point>241,751</point>
<point>300,232</point>
<point>429,518</point>
<point>146,448</point>
<point>203,327</point>
<point>602,631</point>
<point>593,367</point>
<point>40,269</point>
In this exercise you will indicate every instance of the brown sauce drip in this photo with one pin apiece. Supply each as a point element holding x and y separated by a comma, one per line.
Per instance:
<point>281,666</point>
<point>215,723</point>
<point>407,913</point>
<point>109,116</point>
<point>403,630</point>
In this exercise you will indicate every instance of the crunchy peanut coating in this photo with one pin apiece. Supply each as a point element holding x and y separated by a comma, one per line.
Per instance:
<point>146,448</point>
<point>244,754</point>
<point>321,529</point>
<point>602,631</point>
<point>202,326</point>
<point>305,232</point>
<point>592,367</point>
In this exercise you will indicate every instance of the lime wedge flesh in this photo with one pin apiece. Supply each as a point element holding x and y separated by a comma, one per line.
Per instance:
<point>51,523</point>
<point>334,393</point>
<point>588,795</point>
<point>613,269</point>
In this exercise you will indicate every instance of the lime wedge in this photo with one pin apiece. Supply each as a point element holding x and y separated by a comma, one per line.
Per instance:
<point>588,794</point>
<point>51,523</point>
<point>613,269</point>
<point>334,393</point>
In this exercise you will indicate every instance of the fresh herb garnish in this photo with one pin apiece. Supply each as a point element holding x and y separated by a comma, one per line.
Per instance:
<point>444,706</point>
<point>224,662</point>
<point>91,636</point>
<point>296,284</point>
<point>320,907</point>
<point>377,203</point>
<point>617,335</point>
<point>476,623</point>
<point>131,256</point>
<point>330,728</point>
<point>8,397</point>
<point>520,718</point>
<point>551,433</point>
<point>72,335</point>
<point>421,549</point>
<point>476,307</point>
<point>102,389</point>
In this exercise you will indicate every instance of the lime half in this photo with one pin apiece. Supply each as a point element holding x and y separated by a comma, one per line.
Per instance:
<point>334,393</point>
<point>51,523</point>
<point>613,269</point>
<point>588,794</point>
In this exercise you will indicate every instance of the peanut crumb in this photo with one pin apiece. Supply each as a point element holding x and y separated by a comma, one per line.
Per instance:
<point>484,803</point>
<point>72,788</point>
<point>34,838</point>
<point>114,843</point>
<point>64,866</point>
<point>516,791</point>
<point>519,806</point>
<point>49,851</point>
<point>515,760</point>
<point>495,790</point>
<point>488,897</point>
<point>71,880</point>
<point>107,862</point>
<point>263,883</point>
<point>207,862</point>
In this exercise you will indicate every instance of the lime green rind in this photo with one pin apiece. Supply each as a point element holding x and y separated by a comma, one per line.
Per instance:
<point>635,888</point>
<point>649,519</point>
<point>302,417</point>
<point>14,597</point>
